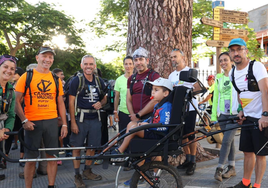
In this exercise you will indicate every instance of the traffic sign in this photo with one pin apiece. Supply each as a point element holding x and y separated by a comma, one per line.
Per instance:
<point>211,22</point>
<point>217,43</point>
<point>231,31</point>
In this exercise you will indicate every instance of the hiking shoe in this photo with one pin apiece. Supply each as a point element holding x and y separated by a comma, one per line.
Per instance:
<point>98,162</point>
<point>21,175</point>
<point>218,174</point>
<point>2,177</point>
<point>241,185</point>
<point>89,175</point>
<point>191,168</point>
<point>230,172</point>
<point>78,182</point>
<point>184,165</point>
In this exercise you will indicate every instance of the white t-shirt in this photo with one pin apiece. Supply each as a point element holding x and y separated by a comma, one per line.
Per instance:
<point>174,77</point>
<point>251,101</point>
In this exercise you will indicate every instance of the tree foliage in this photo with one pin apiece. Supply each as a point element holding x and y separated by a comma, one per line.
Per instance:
<point>23,24</point>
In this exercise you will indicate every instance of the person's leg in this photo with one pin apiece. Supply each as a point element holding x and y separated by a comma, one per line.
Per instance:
<point>249,163</point>
<point>124,119</point>
<point>52,168</point>
<point>29,171</point>
<point>260,168</point>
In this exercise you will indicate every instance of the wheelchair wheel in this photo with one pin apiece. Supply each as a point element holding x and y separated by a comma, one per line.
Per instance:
<point>160,175</point>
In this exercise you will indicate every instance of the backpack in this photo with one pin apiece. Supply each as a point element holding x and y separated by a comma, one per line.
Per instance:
<point>109,106</point>
<point>29,77</point>
<point>81,87</point>
<point>5,101</point>
<point>147,89</point>
<point>252,82</point>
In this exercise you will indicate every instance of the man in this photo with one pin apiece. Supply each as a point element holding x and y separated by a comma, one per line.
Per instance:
<point>209,98</point>
<point>177,60</point>
<point>41,112</point>
<point>255,109</point>
<point>138,101</point>
<point>86,124</point>
<point>60,74</point>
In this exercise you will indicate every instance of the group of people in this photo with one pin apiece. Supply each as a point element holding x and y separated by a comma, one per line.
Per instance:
<point>135,104</point>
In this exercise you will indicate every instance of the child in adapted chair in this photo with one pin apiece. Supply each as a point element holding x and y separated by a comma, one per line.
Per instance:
<point>161,88</point>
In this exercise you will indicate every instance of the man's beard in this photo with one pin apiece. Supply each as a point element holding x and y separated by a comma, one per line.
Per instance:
<point>237,62</point>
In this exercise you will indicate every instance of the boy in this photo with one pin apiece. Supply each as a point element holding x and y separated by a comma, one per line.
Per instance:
<point>161,89</point>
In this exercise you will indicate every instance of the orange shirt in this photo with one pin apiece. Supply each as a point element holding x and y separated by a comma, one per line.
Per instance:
<point>43,90</point>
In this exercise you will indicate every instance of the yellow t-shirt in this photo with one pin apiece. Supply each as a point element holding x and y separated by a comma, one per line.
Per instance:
<point>43,90</point>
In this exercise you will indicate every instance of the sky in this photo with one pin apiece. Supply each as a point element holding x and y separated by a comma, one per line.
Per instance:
<point>87,9</point>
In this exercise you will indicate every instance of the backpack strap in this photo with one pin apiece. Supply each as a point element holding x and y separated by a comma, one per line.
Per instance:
<point>7,99</point>
<point>133,79</point>
<point>56,80</point>
<point>98,83</point>
<point>233,81</point>
<point>29,77</point>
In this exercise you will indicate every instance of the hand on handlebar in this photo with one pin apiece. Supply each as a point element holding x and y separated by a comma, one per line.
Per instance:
<point>263,122</point>
<point>241,117</point>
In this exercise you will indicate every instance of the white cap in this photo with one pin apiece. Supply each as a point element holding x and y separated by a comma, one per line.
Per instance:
<point>162,82</point>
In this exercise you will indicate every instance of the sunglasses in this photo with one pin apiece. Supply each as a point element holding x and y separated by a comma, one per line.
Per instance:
<point>6,57</point>
<point>177,49</point>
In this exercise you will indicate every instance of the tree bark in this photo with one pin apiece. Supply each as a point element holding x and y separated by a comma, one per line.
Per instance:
<point>160,26</point>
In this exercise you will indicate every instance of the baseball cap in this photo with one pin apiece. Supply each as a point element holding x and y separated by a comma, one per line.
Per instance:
<point>140,52</point>
<point>237,41</point>
<point>19,71</point>
<point>45,49</point>
<point>211,77</point>
<point>162,82</point>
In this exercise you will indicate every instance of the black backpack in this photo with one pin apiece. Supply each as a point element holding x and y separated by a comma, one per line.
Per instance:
<point>252,82</point>
<point>29,77</point>
<point>80,88</point>
<point>5,101</point>
<point>109,106</point>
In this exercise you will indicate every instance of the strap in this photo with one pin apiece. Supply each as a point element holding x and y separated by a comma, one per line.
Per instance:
<point>98,83</point>
<point>8,102</point>
<point>29,77</point>
<point>233,81</point>
<point>133,79</point>
<point>56,80</point>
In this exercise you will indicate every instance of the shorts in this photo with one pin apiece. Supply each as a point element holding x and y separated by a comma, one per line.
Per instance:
<point>252,139</point>
<point>43,129</point>
<point>148,134</point>
<point>89,129</point>
<point>190,124</point>
<point>124,119</point>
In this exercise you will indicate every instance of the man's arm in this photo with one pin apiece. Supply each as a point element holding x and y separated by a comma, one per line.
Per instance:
<point>206,99</point>
<point>148,108</point>
<point>19,111</point>
<point>116,102</point>
<point>62,114</point>
<point>74,127</point>
<point>263,86</point>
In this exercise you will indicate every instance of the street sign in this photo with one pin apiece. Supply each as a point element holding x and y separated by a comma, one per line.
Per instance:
<point>217,43</point>
<point>211,22</point>
<point>226,37</point>
<point>233,13</point>
<point>231,31</point>
<point>231,19</point>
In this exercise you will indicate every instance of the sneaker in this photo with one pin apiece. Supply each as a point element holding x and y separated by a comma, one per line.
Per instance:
<point>21,175</point>
<point>218,174</point>
<point>3,164</point>
<point>89,175</point>
<point>118,159</point>
<point>98,162</point>
<point>78,182</point>
<point>15,146</point>
<point>184,165</point>
<point>191,168</point>
<point>68,154</point>
<point>22,164</point>
<point>59,163</point>
<point>127,168</point>
<point>230,172</point>
<point>61,152</point>
<point>127,183</point>
<point>2,177</point>
<point>241,185</point>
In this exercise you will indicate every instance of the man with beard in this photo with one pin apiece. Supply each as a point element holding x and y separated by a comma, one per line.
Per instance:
<point>250,80</point>
<point>84,106</point>
<point>177,60</point>
<point>139,104</point>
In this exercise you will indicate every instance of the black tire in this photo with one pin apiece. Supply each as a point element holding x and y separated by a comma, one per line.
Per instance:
<point>208,118</point>
<point>168,178</point>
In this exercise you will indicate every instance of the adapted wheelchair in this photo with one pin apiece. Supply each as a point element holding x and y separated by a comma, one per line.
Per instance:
<point>155,173</point>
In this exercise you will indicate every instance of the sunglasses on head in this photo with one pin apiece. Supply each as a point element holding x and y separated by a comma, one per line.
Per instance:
<point>6,57</point>
<point>177,49</point>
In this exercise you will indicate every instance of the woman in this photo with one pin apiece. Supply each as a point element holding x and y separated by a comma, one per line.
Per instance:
<point>7,103</point>
<point>225,104</point>
<point>122,115</point>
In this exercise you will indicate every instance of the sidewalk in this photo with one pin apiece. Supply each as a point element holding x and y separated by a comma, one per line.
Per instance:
<point>203,177</point>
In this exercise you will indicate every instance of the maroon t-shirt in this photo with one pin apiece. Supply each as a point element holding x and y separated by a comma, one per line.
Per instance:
<point>139,98</point>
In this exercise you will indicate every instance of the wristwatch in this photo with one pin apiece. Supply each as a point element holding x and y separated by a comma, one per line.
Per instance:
<point>265,113</point>
<point>138,116</point>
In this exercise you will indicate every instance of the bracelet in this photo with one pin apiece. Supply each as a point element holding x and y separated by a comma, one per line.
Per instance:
<point>64,126</point>
<point>115,111</point>
<point>239,108</point>
<point>24,121</point>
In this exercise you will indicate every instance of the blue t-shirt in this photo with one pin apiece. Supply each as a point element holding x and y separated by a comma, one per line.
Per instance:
<point>86,100</point>
<point>161,115</point>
